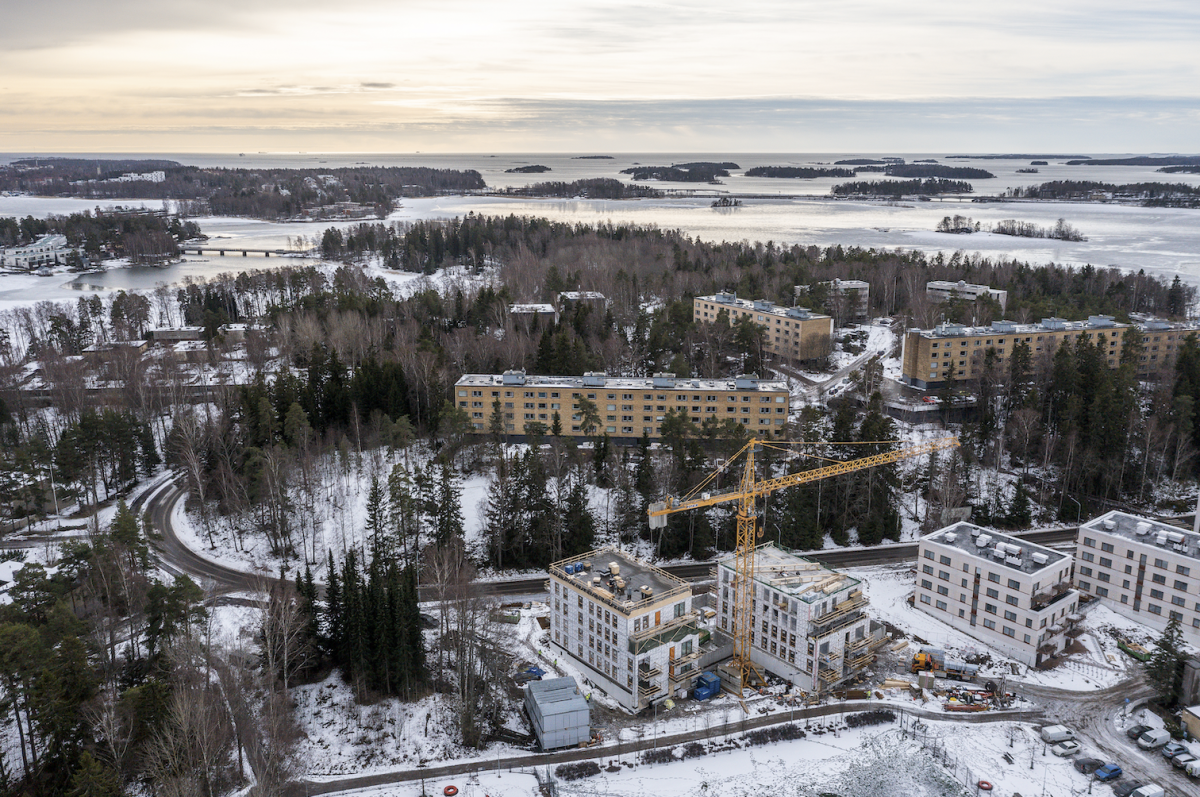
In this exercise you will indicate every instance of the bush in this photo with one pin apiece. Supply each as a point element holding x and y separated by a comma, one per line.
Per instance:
<point>865,718</point>
<point>663,756</point>
<point>776,733</point>
<point>694,750</point>
<point>577,770</point>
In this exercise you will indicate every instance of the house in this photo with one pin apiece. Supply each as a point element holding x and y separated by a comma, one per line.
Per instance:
<point>47,250</point>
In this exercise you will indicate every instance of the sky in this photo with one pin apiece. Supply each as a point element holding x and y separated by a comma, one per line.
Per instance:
<point>1107,76</point>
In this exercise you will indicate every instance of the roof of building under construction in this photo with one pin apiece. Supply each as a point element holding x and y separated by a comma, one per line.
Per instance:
<point>633,573</point>
<point>794,575</point>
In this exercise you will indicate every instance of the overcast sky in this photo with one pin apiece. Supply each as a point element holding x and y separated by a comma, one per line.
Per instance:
<point>599,75</point>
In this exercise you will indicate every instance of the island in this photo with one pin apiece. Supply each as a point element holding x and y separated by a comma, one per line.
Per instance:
<point>694,172</point>
<point>801,172</point>
<point>534,169</point>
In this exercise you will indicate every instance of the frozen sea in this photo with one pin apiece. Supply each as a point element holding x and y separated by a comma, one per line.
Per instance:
<point>1162,241</point>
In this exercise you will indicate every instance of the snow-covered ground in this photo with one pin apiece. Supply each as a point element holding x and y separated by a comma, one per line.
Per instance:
<point>888,587</point>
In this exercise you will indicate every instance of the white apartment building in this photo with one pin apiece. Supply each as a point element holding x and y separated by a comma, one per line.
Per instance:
<point>945,290</point>
<point>810,624</point>
<point>45,251</point>
<point>1009,593</point>
<point>1142,568</point>
<point>627,624</point>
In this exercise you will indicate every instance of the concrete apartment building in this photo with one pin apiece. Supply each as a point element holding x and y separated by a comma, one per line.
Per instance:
<point>793,333</point>
<point>1009,593</point>
<point>530,314</point>
<point>939,291</point>
<point>851,299</point>
<point>954,353</point>
<point>1161,340</point>
<point>810,623</point>
<point>627,624</point>
<point>568,300</point>
<point>1144,569</point>
<point>47,250</point>
<point>628,406</point>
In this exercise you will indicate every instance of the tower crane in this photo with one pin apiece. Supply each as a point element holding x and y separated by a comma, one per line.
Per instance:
<point>749,489</point>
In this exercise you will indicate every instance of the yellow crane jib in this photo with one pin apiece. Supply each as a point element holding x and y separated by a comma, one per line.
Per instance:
<point>749,489</point>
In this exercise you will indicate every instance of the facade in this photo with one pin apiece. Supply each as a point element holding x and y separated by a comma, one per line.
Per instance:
<point>625,623</point>
<point>1161,340</point>
<point>628,406</point>
<point>853,298</point>
<point>940,291</point>
<point>174,334</point>
<point>529,314</point>
<point>559,714</point>
<point>1143,569</point>
<point>1012,594</point>
<point>792,333</point>
<point>45,251</point>
<point>948,353</point>
<point>810,623</point>
<point>567,300</point>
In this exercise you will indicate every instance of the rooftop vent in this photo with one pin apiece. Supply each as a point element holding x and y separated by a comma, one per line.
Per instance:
<point>983,540</point>
<point>1142,528</point>
<point>1100,321</point>
<point>726,298</point>
<point>594,379</point>
<point>664,379</point>
<point>1054,323</point>
<point>798,312</point>
<point>746,381</point>
<point>1040,558</point>
<point>1109,524</point>
<point>1004,326</point>
<point>514,377</point>
<point>950,536</point>
<point>763,304</point>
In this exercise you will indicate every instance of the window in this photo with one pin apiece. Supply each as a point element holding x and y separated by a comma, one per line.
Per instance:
<point>1105,562</point>
<point>927,570</point>
<point>1158,578</point>
<point>1012,632</point>
<point>925,599</point>
<point>993,593</point>
<point>1010,616</point>
<point>944,575</point>
<point>1027,639</point>
<point>941,605</point>
<point>1085,571</point>
<point>928,554</point>
<point>1087,557</point>
<point>1178,601</point>
<point>944,560</point>
<point>994,578</point>
<point>942,590</point>
<point>1154,609</point>
<point>1162,563</point>
<point>989,608</point>
<point>1181,570</point>
<point>1181,585</point>
<point>1014,584</point>
<point>1157,594</point>
<point>1103,577</point>
<point>989,624</point>
<point>1011,600</point>
<point>1106,547</point>
<point>926,584</point>
<point>1102,592</point>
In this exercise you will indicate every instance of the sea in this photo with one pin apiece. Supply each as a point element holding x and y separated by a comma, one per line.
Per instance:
<point>1161,241</point>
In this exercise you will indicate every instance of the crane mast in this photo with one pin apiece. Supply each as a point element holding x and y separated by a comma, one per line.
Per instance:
<point>750,488</point>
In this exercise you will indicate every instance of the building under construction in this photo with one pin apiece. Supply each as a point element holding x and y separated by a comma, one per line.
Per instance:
<point>628,625</point>
<point>809,623</point>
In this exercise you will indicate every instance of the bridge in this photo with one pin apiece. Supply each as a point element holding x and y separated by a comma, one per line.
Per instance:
<point>221,250</point>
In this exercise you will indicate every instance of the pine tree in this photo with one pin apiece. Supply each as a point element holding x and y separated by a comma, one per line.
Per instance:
<point>1020,514</point>
<point>376,522</point>
<point>334,633</point>
<point>449,522</point>
<point>1164,667</point>
<point>578,522</point>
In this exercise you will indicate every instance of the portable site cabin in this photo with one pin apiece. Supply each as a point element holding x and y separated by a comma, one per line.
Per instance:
<point>559,714</point>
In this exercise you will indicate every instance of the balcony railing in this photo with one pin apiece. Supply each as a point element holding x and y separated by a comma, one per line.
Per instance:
<point>650,671</point>
<point>855,602</point>
<point>674,622</point>
<point>829,676</point>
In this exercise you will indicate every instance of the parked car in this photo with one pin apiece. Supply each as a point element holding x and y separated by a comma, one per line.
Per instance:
<point>1053,734</point>
<point>1126,788</point>
<point>1137,730</point>
<point>1149,790</point>
<point>1069,747</point>
<point>1152,739</point>
<point>1181,760</point>
<point>1172,749</point>
<point>1193,769</point>
<point>1088,765</point>
<point>1108,772</point>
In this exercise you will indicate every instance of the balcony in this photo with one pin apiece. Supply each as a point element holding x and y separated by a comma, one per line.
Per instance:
<point>856,645</point>
<point>652,630</point>
<point>649,671</point>
<point>829,676</point>
<point>855,602</point>
<point>860,661</point>
<point>646,691</point>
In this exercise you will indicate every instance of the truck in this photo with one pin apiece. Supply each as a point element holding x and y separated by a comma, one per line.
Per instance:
<point>934,660</point>
<point>1053,734</point>
<point>707,686</point>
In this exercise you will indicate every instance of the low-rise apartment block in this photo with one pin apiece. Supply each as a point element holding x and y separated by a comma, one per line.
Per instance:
<point>809,623</point>
<point>1011,594</point>
<point>628,406</point>
<point>47,250</point>
<point>1143,569</point>
<point>627,624</point>
<point>793,333</point>
<point>847,300</point>
<point>948,353</point>
<point>529,314</point>
<point>944,290</point>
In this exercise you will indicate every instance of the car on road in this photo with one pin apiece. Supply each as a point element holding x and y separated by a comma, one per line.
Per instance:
<point>1126,788</point>
<point>1108,772</point>
<point>1088,765</point>
<point>1137,730</point>
<point>1181,760</point>
<point>1069,747</point>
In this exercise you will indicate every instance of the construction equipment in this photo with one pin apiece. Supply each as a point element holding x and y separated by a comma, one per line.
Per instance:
<point>750,488</point>
<point>707,686</point>
<point>934,660</point>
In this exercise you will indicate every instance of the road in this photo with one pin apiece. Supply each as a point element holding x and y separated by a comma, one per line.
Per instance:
<point>1096,718</point>
<point>444,773</point>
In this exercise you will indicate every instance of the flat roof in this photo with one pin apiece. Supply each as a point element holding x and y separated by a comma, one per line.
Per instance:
<point>1153,533</point>
<point>763,306</point>
<point>581,295</point>
<point>531,308</point>
<point>947,285</point>
<point>997,548</point>
<point>794,575</point>
<point>1096,322</point>
<point>636,382</point>
<point>635,573</point>
<point>557,696</point>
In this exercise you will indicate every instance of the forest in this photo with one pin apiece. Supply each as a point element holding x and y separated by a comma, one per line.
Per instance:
<point>589,188</point>
<point>1061,230</point>
<point>935,170</point>
<point>111,682</point>
<point>899,188</point>
<point>270,194</point>
<point>797,171</point>
<point>1150,194</point>
<point>141,236</point>
<point>533,169</point>
<point>697,172</point>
